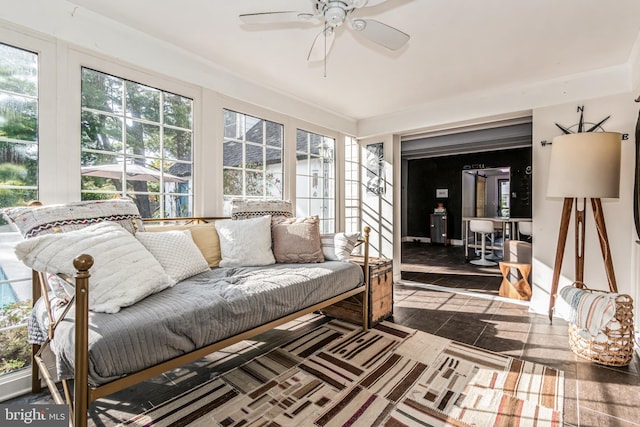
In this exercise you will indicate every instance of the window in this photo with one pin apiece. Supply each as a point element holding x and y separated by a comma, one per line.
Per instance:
<point>137,141</point>
<point>252,150</point>
<point>351,186</point>
<point>315,178</point>
<point>18,185</point>
<point>504,197</point>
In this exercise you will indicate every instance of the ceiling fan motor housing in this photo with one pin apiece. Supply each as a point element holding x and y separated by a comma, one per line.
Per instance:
<point>335,11</point>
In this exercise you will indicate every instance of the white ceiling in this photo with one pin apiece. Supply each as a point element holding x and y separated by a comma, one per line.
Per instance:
<point>456,46</point>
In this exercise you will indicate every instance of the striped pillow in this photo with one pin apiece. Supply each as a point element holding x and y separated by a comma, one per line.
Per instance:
<point>338,246</point>
<point>34,221</point>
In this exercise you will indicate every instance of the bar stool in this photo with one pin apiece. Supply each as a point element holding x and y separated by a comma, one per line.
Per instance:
<point>482,227</point>
<point>525,228</point>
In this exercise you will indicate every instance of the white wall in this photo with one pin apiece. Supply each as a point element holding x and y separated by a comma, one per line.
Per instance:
<point>618,213</point>
<point>378,211</point>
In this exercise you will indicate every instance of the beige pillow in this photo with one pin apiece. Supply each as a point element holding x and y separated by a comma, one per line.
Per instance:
<point>204,236</point>
<point>296,240</point>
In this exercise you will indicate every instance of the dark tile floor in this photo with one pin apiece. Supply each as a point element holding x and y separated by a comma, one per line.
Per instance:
<point>594,395</point>
<point>443,295</point>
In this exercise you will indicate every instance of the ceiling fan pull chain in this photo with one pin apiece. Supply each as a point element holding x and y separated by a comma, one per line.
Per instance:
<point>325,49</point>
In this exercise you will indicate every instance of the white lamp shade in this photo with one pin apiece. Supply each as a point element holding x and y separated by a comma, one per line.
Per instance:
<point>585,165</point>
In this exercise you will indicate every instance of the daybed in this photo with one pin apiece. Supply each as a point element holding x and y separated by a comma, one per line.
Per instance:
<point>106,348</point>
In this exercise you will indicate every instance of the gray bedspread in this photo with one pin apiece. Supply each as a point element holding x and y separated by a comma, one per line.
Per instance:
<point>196,312</point>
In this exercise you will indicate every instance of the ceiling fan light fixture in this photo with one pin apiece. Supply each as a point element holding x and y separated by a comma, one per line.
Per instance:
<point>359,24</point>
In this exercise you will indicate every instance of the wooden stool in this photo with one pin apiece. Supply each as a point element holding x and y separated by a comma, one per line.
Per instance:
<point>521,289</point>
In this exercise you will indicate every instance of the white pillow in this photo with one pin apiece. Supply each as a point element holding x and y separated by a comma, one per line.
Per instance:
<point>246,242</point>
<point>176,252</point>
<point>338,246</point>
<point>123,272</point>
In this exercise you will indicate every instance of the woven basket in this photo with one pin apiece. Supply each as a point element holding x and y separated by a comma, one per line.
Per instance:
<point>618,348</point>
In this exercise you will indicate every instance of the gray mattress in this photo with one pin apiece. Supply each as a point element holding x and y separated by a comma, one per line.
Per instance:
<point>196,312</point>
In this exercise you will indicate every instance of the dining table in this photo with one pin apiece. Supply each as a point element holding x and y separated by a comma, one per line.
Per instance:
<point>507,225</point>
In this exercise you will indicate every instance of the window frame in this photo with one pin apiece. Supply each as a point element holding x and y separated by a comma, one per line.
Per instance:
<point>18,382</point>
<point>78,59</point>
<point>331,217</point>
<point>242,168</point>
<point>127,156</point>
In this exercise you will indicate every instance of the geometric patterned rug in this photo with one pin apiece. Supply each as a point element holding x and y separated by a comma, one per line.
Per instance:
<point>336,375</point>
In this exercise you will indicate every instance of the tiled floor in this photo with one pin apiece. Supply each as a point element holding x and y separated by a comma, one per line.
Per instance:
<point>594,395</point>
<point>462,308</point>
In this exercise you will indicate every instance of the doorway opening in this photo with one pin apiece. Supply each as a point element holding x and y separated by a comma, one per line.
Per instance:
<point>481,173</point>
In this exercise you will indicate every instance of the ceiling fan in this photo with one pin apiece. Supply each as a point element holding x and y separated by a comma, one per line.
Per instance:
<point>332,14</point>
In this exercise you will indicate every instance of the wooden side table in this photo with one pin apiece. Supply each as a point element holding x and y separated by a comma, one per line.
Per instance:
<point>380,294</point>
<point>520,289</point>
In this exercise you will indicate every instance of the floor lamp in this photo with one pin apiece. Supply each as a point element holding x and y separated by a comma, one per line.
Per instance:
<point>583,166</point>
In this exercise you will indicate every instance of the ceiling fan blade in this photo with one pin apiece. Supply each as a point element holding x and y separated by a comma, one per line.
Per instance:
<point>380,33</point>
<point>371,3</point>
<point>319,50</point>
<point>276,17</point>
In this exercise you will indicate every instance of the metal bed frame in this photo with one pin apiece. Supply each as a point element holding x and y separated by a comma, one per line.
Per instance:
<point>83,392</point>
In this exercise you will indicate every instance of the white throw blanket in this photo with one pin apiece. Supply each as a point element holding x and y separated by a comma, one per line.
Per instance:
<point>590,311</point>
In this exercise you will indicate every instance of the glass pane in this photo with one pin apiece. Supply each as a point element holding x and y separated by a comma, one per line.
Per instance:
<point>101,91</point>
<point>19,70</point>
<point>100,132</point>
<point>99,196</point>
<point>302,166</point>
<point>302,207</point>
<point>254,157</point>
<point>315,207</point>
<point>254,129</point>
<point>177,110</point>
<point>177,144</point>
<point>302,144</point>
<point>232,182</point>
<point>302,186</point>
<point>18,165</point>
<point>181,172</point>
<point>15,352</point>
<point>148,204</point>
<point>142,102</point>
<point>143,139</point>
<point>274,184</point>
<point>317,184</point>
<point>232,154</point>
<point>15,301</point>
<point>101,172</point>
<point>274,159</point>
<point>351,190</point>
<point>18,117</point>
<point>274,134</point>
<point>255,183</point>
<point>232,124</point>
<point>15,197</point>
<point>329,188</point>
<point>315,142</point>
<point>177,206</point>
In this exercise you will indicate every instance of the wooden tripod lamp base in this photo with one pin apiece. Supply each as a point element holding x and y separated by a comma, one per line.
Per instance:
<point>596,205</point>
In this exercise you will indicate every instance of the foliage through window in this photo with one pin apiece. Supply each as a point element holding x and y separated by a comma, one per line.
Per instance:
<point>137,141</point>
<point>18,186</point>
<point>315,178</point>
<point>252,150</point>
